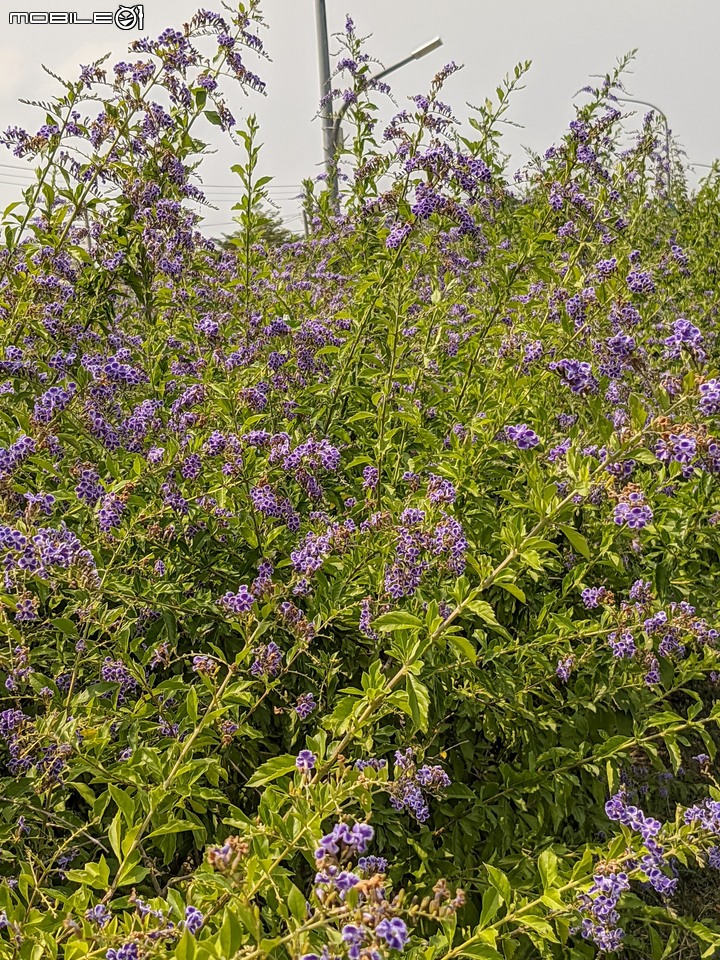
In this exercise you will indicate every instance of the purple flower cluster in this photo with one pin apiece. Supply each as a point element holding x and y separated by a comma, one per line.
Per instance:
<point>110,512</point>
<point>52,402</point>
<point>685,336</point>
<point>344,842</point>
<point>576,374</point>
<point>680,448</point>
<point>13,456</point>
<point>268,660</point>
<point>640,281</point>
<point>411,783</point>
<point>565,668</point>
<point>193,920</point>
<point>440,490</point>
<point>600,915</point>
<point>128,951</point>
<point>304,705</point>
<point>632,511</point>
<point>593,596</point>
<point>522,436</point>
<point>710,397</point>
<point>237,603</point>
<point>115,671</point>
<point>622,645</point>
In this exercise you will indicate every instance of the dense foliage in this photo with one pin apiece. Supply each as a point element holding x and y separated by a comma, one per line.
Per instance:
<point>359,592</point>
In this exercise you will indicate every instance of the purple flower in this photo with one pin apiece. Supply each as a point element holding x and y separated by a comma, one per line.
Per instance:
<point>577,375</point>
<point>440,490</point>
<point>639,281</point>
<point>110,512</point>
<point>354,936</point>
<point>710,397</point>
<point>633,512</point>
<point>565,667</point>
<point>240,602</point>
<point>304,705</point>
<point>53,401</point>
<point>396,236</point>
<point>592,596</point>
<point>344,840</point>
<point>371,475</point>
<point>193,920</point>
<point>268,660</point>
<point>205,665</point>
<point>394,932</point>
<point>622,646</point>
<point>305,761</point>
<point>99,914</point>
<point>522,436</point>
<point>128,951</point>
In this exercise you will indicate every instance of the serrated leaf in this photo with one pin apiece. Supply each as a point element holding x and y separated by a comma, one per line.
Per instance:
<point>419,701</point>
<point>297,903</point>
<point>548,867</point>
<point>175,826</point>
<point>577,540</point>
<point>272,770</point>
<point>396,620</point>
<point>501,883</point>
<point>483,610</point>
<point>512,589</point>
<point>482,950</point>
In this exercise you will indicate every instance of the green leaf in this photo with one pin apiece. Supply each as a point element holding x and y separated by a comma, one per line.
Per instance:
<point>482,950</point>
<point>396,620</point>
<point>548,867</point>
<point>297,903</point>
<point>230,936</point>
<point>419,701</point>
<point>491,903</point>
<point>272,770</point>
<point>192,705</point>
<point>483,610</point>
<point>115,835</point>
<point>65,626</point>
<point>463,646</point>
<point>577,540</point>
<point>638,412</point>
<point>501,883</point>
<point>185,950</point>
<point>175,826</point>
<point>132,872</point>
<point>512,589</point>
<point>612,746</point>
<point>540,925</point>
<point>124,802</point>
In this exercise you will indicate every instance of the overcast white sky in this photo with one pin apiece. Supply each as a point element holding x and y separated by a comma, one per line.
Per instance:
<point>677,67</point>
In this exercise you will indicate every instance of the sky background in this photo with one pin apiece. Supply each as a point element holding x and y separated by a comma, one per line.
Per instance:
<point>677,67</point>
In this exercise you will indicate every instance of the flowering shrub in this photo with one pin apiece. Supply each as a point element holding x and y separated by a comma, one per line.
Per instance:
<point>359,592</point>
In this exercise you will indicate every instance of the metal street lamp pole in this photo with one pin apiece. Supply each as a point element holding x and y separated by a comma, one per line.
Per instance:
<point>326,108</point>
<point>330,126</point>
<point>657,110</point>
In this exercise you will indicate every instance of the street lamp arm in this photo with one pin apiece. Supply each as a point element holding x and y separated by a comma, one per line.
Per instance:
<point>415,55</point>
<point>646,103</point>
